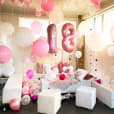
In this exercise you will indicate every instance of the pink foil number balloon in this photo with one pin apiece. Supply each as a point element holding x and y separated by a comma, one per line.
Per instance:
<point>15,104</point>
<point>36,27</point>
<point>47,5</point>
<point>30,73</point>
<point>5,54</point>
<point>40,48</point>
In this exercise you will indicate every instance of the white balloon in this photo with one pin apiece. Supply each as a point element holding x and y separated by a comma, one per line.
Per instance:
<point>6,28</point>
<point>7,69</point>
<point>23,37</point>
<point>96,42</point>
<point>78,54</point>
<point>111,51</point>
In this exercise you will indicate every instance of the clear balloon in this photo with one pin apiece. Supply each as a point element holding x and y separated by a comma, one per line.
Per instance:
<point>40,48</point>
<point>5,54</point>
<point>23,37</point>
<point>36,27</point>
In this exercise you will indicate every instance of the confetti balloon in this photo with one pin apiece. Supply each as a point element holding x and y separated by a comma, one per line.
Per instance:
<point>15,104</point>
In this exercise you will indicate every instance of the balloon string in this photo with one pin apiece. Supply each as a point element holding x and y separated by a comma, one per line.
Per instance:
<point>62,56</point>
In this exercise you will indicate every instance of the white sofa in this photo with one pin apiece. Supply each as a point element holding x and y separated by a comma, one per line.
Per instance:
<point>104,94</point>
<point>12,88</point>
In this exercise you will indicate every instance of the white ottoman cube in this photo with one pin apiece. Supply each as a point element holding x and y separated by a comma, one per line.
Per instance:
<point>12,88</point>
<point>86,97</point>
<point>49,101</point>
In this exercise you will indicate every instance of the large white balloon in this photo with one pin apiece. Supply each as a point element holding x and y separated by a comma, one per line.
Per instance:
<point>96,42</point>
<point>7,69</point>
<point>23,37</point>
<point>6,28</point>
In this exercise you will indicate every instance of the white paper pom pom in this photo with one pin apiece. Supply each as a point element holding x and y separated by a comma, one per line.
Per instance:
<point>25,100</point>
<point>78,54</point>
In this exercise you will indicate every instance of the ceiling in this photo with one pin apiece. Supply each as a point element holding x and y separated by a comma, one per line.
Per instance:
<point>70,8</point>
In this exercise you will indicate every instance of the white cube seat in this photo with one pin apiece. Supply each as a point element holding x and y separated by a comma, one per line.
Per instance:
<point>49,101</point>
<point>86,97</point>
<point>12,89</point>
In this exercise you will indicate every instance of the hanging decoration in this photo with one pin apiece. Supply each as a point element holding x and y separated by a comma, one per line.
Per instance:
<point>47,5</point>
<point>36,27</point>
<point>5,54</point>
<point>13,1</point>
<point>112,32</point>
<point>52,38</point>
<point>21,1</point>
<point>40,48</point>
<point>96,3</point>
<point>56,16</point>
<point>27,2</point>
<point>23,37</point>
<point>68,33</point>
<point>15,104</point>
<point>1,2</point>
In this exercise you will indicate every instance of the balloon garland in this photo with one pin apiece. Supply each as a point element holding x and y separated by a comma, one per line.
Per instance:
<point>52,36</point>
<point>68,33</point>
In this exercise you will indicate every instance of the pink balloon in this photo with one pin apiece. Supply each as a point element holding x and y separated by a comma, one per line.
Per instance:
<point>13,1</point>
<point>28,2</point>
<point>22,1</point>
<point>15,104</point>
<point>25,90</point>
<point>1,2</point>
<point>96,2</point>
<point>30,73</point>
<point>40,48</point>
<point>47,5</point>
<point>112,32</point>
<point>5,54</point>
<point>36,27</point>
